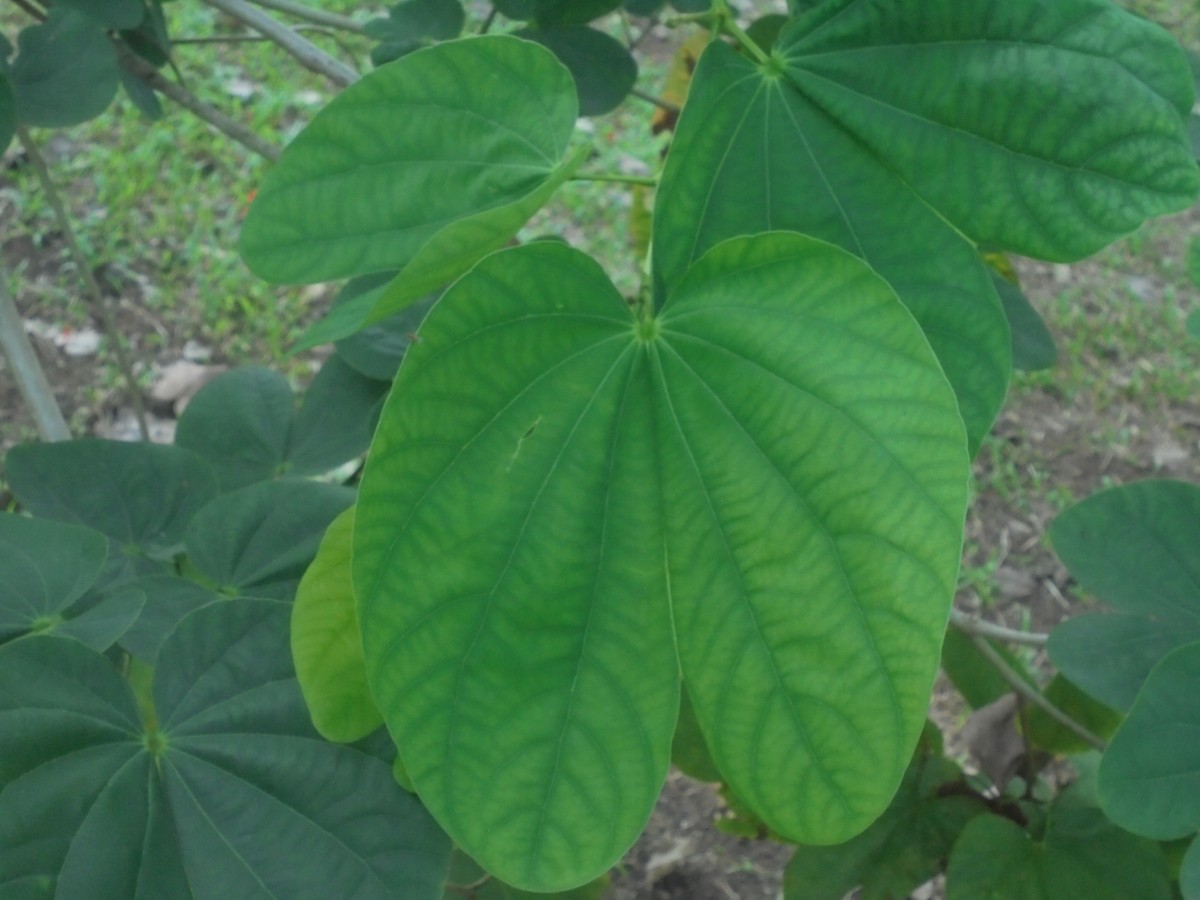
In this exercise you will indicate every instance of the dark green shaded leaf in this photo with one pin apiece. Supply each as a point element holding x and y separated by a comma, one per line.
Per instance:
<point>169,599</point>
<point>765,30</point>
<point>327,642</point>
<point>141,95</point>
<point>689,6</point>
<point>364,187</point>
<point>971,672</point>
<point>46,567</point>
<point>603,69</point>
<point>413,24</point>
<point>150,40</point>
<point>349,311</point>
<point>65,71</point>
<point>904,848</point>
<point>689,751</point>
<point>1150,774</point>
<point>231,795</point>
<point>8,110</point>
<point>643,7</point>
<point>336,419</point>
<point>1134,547</point>
<point>557,12</point>
<point>109,13</point>
<point>1032,344</point>
<point>1048,734</point>
<point>1189,872</point>
<point>1081,855</point>
<point>264,536</point>
<point>142,496</point>
<point>483,467</point>
<point>464,870</point>
<point>377,350</point>
<point>103,623</point>
<point>752,153</point>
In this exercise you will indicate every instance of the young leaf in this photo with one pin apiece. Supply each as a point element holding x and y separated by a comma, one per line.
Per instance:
<point>65,71</point>
<point>783,398</point>
<point>367,184</point>
<point>1150,774</point>
<point>1134,547</point>
<point>142,496</point>
<point>229,794</point>
<point>263,537</point>
<point>327,642</point>
<point>752,153</point>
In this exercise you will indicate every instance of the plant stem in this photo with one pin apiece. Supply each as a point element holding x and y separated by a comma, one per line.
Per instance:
<point>27,371</point>
<point>199,108</point>
<point>305,52</point>
<point>657,101</point>
<point>308,13</point>
<point>34,11</point>
<point>972,625</point>
<point>728,23</point>
<point>91,287</point>
<point>647,180</point>
<point>487,22</point>
<point>1024,689</point>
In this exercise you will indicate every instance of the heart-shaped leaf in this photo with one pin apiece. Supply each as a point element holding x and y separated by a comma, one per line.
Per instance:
<point>261,538</point>
<point>1082,854</point>
<point>1150,774</point>
<point>227,792</point>
<point>368,183</point>
<point>721,489</point>
<point>142,496</point>
<point>65,71</point>
<point>1134,547</point>
<point>327,642</point>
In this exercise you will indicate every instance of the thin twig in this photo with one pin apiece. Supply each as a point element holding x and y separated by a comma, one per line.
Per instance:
<point>656,101</point>
<point>205,111</point>
<point>1024,689</point>
<point>647,180</point>
<point>34,11</point>
<point>27,371</point>
<point>306,53</point>
<point>92,288</point>
<point>973,625</point>
<point>487,22</point>
<point>316,16</point>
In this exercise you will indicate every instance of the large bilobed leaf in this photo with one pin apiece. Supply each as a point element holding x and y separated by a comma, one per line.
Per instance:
<point>169,599</point>
<point>47,566</point>
<point>1081,855</point>
<point>603,69</point>
<point>229,794</point>
<point>327,642</point>
<point>441,135</point>
<point>903,848</point>
<point>65,71</point>
<point>1137,548</point>
<point>1150,774</point>
<point>142,496</point>
<point>776,462</point>
<point>263,537</point>
<point>245,423</point>
<point>109,13</point>
<point>752,153</point>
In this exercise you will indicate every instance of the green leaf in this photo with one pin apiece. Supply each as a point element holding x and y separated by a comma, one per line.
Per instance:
<point>1150,774</point>
<point>8,110</point>
<point>413,24</point>
<point>264,536</point>
<point>1193,324</point>
<point>1010,156</point>
<point>1134,547</point>
<point>557,12</point>
<point>464,870</point>
<point>1048,734</point>
<point>65,71</point>
<point>47,566</point>
<point>367,184</point>
<point>689,750</point>
<point>971,672</point>
<point>1081,855</point>
<point>142,496</point>
<point>231,794</point>
<point>752,153</point>
<point>377,350</point>
<point>1032,344</point>
<point>150,39</point>
<point>327,642</point>
<point>603,69</point>
<point>103,623</point>
<point>759,491</point>
<point>169,599</point>
<point>245,423</point>
<point>902,849</point>
<point>141,95</point>
<point>1189,872</point>
<point>109,13</point>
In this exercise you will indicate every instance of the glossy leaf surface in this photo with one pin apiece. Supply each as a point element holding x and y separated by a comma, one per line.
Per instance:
<point>440,135</point>
<point>534,705</point>
<point>232,795</point>
<point>1150,774</point>
<point>142,496</point>
<point>327,642</point>
<point>1135,548</point>
<point>1081,855</point>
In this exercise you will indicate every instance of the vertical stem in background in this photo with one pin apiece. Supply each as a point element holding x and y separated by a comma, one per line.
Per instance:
<point>91,286</point>
<point>27,371</point>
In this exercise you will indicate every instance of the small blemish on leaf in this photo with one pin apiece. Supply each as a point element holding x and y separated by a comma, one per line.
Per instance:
<point>521,440</point>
